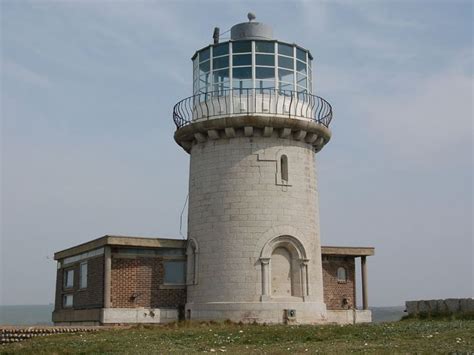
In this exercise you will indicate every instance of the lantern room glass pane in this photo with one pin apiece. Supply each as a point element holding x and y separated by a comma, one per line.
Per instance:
<point>220,49</point>
<point>264,47</point>
<point>221,75</point>
<point>286,86</point>
<point>285,62</point>
<point>242,47</point>
<point>220,62</point>
<point>241,59</point>
<point>265,59</point>
<point>301,79</point>
<point>286,75</point>
<point>301,67</point>
<point>242,84</point>
<point>204,54</point>
<point>242,73</point>
<point>204,67</point>
<point>301,54</point>
<point>285,49</point>
<point>265,84</point>
<point>264,73</point>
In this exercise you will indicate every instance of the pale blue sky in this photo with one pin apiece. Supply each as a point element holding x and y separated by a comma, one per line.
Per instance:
<point>87,135</point>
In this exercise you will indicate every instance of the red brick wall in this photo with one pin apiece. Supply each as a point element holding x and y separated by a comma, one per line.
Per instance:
<point>135,283</point>
<point>90,297</point>
<point>334,291</point>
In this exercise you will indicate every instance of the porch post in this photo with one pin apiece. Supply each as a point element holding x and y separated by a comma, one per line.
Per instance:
<point>365,301</point>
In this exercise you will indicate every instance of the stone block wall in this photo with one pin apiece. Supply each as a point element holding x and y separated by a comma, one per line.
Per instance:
<point>463,306</point>
<point>138,282</point>
<point>334,290</point>
<point>90,297</point>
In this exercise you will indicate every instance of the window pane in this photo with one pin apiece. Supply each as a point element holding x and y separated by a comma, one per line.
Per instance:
<point>265,73</point>
<point>286,86</point>
<point>265,59</point>
<point>175,272</point>
<point>301,89</point>
<point>242,73</point>
<point>285,75</point>
<point>221,75</point>
<point>265,47</point>
<point>265,84</point>
<point>83,273</point>
<point>221,62</point>
<point>220,49</point>
<point>204,67</point>
<point>204,55</point>
<point>241,47</point>
<point>285,62</point>
<point>301,54</point>
<point>242,59</point>
<point>285,49</point>
<point>69,278</point>
<point>300,66</point>
<point>242,84</point>
<point>301,79</point>
<point>67,301</point>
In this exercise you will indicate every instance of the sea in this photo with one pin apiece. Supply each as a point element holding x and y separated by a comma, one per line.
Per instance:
<point>41,314</point>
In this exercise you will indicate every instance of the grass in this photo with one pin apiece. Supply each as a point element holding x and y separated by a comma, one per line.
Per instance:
<point>407,336</point>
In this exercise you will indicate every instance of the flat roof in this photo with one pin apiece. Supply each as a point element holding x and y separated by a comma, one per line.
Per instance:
<point>121,240</point>
<point>149,242</point>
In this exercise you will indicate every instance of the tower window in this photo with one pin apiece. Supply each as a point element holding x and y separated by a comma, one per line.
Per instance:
<point>341,275</point>
<point>284,168</point>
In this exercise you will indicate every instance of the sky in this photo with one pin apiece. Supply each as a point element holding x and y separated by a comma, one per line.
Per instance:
<point>87,149</point>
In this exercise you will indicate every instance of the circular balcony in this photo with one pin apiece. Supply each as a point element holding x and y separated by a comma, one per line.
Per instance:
<point>248,112</point>
<point>252,102</point>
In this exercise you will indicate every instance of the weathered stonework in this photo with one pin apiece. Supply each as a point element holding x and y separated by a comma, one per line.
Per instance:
<point>238,203</point>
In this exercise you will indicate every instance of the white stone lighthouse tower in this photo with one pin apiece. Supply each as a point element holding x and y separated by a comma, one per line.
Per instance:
<point>252,129</point>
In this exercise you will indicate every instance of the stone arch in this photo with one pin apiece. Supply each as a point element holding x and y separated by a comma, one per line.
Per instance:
<point>192,255</point>
<point>277,250</point>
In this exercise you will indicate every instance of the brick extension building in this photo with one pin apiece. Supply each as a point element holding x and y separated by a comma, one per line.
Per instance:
<point>118,279</point>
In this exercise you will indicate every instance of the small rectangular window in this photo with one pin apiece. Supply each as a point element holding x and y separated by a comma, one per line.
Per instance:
<point>204,55</point>
<point>175,272</point>
<point>68,278</point>
<point>285,75</point>
<point>241,59</point>
<point>83,275</point>
<point>241,47</point>
<point>68,301</point>
<point>285,49</point>
<point>301,54</point>
<point>265,59</point>
<point>264,47</point>
<point>242,73</point>
<point>220,49</point>
<point>221,62</point>
<point>285,62</point>
<point>265,73</point>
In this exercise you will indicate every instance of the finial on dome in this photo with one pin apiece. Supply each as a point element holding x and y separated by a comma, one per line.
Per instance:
<point>251,16</point>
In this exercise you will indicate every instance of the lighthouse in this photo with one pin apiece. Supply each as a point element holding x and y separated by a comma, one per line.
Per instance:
<point>252,129</point>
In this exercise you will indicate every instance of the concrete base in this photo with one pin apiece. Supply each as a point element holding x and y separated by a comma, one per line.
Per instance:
<point>114,316</point>
<point>349,316</point>
<point>138,315</point>
<point>259,312</point>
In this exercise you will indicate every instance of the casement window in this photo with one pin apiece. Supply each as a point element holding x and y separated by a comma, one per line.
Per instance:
<point>83,275</point>
<point>68,301</point>
<point>341,275</point>
<point>68,278</point>
<point>175,272</point>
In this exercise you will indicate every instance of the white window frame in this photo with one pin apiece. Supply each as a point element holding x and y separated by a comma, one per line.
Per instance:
<point>65,298</point>
<point>339,279</point>
<point>83,280</point>
<point>66,284</point>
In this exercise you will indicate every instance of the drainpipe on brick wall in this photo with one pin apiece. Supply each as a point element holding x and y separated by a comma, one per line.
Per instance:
<point>365,301</point>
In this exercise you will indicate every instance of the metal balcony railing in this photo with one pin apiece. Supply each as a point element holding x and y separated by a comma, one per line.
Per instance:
<point>247,102</point>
